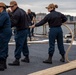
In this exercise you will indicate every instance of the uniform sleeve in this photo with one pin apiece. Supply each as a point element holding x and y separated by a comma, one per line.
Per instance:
<point>42,22</point>
<point>3,17</point>
<point>34,15</point>
<point>28,20</point>
<point>63,18</point>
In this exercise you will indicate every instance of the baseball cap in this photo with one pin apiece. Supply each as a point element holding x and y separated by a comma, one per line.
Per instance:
<point>51,6</point>
<point>2,4</point>
<point>12,3</point>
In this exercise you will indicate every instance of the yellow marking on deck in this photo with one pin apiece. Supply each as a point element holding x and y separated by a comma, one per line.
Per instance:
<point>57,69</point>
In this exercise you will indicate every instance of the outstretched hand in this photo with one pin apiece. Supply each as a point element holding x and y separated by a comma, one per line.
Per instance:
<point>32,26</point>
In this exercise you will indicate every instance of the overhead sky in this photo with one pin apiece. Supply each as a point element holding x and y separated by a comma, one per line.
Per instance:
<point>64,6</point>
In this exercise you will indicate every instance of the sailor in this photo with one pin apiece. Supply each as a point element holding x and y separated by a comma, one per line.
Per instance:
<point>5,35</point>
<point>19,20</point>
<point>55,20</point>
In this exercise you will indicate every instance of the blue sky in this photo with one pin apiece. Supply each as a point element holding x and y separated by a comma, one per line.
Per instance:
<point>64,6</point>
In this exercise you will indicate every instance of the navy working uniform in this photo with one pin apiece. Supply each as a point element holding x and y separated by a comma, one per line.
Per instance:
<point>55,20</point>
<point>32,15</point>
<point>5,35</point>
<point>20,20</point>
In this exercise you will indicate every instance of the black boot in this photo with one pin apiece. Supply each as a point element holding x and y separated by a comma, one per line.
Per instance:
<point>62,58</point>
<point>2,67</point>
<point>49,60</point>
<point>26,59</point>
<point>5,65</point>
<point>15,63</point>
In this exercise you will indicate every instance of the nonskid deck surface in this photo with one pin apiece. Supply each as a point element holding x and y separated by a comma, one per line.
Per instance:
<point>38,53</point>
<point>57,69</point>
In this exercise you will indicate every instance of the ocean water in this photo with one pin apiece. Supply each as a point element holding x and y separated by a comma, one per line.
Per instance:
<point>39,30</point>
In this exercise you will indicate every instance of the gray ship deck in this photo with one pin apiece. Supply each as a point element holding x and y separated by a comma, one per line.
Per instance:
<point>38,53</point>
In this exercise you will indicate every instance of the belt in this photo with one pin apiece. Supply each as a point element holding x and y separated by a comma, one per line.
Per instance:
<point>54,26</point>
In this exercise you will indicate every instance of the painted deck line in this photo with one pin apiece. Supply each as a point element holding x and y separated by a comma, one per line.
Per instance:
<point>41,42</point>
<point>57,69</point>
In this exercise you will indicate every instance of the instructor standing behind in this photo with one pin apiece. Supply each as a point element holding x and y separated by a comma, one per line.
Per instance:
<point>55,20</point>
<point>19,19</point>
